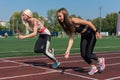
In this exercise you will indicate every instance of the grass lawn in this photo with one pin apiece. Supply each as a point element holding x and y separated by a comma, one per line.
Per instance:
<point>12,47</point>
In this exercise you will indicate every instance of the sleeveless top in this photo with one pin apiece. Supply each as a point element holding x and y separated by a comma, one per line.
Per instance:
<point>43,30</point>
<point>83,29</point>
<point>80,28</point>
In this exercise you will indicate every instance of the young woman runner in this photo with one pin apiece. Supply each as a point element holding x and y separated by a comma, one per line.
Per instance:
<point>36,27</point>
<point>88,38</point>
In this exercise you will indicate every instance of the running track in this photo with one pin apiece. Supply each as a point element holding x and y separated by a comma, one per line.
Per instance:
<point>39,68</point>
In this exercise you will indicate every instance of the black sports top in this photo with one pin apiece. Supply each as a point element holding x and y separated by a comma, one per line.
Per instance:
<point>80,28</point>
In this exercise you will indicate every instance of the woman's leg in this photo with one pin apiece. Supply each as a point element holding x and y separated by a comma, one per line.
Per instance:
<point>48,54</point>
<point>39,45</point>
<point>42,45</point>
<point>87,45</point>
<point>83,46</point>
<point>46,49</point>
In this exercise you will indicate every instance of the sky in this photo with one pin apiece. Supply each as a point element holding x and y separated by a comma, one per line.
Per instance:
<point>87,9</point>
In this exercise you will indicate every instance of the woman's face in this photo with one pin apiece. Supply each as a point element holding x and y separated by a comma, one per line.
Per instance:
<point>60,16</point>
<point>24,16</point>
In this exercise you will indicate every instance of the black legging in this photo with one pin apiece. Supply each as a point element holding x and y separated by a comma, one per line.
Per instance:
<point>42,46</point>
<point>88,40</point>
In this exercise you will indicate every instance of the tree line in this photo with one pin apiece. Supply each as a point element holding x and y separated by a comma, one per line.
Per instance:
<point>107,24</point>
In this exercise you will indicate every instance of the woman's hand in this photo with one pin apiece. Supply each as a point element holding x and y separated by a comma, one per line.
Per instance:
<point>20,36</point>
<point>98,35</point>
<point>66,55</point>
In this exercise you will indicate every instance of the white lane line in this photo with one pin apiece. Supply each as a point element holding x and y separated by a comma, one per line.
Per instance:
<point>50,63</point>
<point>80,76</point>
<point>90,77</point>
<point>47,72</point>
<point>52,71</point>
<point>28,65</point>
<point>115,64</point>
<point>11,66</point>
<point>23,64</point>
<point>19,76</point>
<point>39,58</point>
<point>15,62</point>
<point>113,78</point>
<point>45,68</point>
<point>44,57</point>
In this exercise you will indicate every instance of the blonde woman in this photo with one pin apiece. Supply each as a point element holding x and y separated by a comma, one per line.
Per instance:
<point>43,41</point>
<point>88,38</point>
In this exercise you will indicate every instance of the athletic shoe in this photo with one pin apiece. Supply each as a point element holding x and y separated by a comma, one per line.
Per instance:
<point>102,64</point>
<point>93,71</point>
<point>55,65</point>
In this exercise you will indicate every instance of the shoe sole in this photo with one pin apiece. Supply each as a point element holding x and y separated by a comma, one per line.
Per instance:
<point>93,73</point>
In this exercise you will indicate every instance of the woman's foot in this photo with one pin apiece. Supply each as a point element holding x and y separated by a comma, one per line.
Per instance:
<point>93,71</point>
<point>101,64</point>
<point>56,64</point>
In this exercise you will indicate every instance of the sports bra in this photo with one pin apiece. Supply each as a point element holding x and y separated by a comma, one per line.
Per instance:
<point>79,28</point>
<point>43,30</point>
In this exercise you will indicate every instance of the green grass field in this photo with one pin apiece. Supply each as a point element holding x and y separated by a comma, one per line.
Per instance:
<point>12,47</point>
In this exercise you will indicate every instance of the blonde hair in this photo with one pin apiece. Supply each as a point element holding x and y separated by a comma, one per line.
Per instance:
<point>28,12</point>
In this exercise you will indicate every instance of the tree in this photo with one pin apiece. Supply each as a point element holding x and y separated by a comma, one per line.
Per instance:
<point>52,20</point>
<point>111,20</point>
<point>16,22</point>
<point>109,23</point>
<point>35,15</point>
<point>96,22</point>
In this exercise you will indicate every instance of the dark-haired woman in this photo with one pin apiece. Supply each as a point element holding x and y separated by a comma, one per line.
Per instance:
<point>88,38</point>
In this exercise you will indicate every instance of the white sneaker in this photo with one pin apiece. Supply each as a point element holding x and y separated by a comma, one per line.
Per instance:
<point>93,71</point>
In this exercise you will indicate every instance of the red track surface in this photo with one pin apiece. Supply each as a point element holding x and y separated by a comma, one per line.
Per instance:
<point>39,68</point>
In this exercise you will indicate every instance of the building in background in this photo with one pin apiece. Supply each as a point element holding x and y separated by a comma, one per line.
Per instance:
<point>5,29</point>
<point>118,25</point>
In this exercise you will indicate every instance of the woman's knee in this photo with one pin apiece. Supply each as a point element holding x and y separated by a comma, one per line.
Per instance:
<point>38,51</point>
<point>85,55</point>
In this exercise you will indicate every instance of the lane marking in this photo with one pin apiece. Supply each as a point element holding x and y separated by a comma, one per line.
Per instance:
<point>80,76</point>
<point>98,53</point>
<point>113,78</point>
<point>23,64</point>
<point>44,57</point>
<point>51,70</point>
<point>19,76</point>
